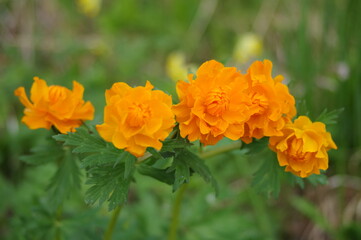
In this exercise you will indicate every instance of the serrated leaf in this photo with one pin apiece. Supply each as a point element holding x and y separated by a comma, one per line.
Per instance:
<point>82,141</point>
<point>181,172</point>
<point>110,182</point>
<point>330,117</point>
<point>160,174</point>
<point>197,165</point>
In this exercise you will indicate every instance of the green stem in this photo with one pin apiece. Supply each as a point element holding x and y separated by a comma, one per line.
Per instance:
<point>223,149</point>
<point>58,218</point>
<point>172,234</point>
<point>109,232</point>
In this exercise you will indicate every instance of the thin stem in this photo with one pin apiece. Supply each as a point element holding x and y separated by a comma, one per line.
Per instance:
<point>223,149</point>
<point>109,232</point>
<point>58,218</point>
<point>172,234</point>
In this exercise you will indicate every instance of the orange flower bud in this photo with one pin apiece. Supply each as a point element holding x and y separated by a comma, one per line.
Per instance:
<point>54,106</point>
<point>136,118</point>
<point>303,147</point>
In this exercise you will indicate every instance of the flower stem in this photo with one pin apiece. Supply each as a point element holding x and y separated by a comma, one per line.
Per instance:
<point>223,149</point>
<point>109,232</point>
<point>172,234</point>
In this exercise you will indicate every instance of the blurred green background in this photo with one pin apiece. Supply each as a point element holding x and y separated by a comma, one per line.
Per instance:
<point>316,45</point>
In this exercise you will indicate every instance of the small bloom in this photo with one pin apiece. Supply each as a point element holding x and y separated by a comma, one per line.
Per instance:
<point>212,106</point>
<point>54,106</point>
<point>136,118</point>
<point>90,8</point>
<point>271,104</point>
<point>303,147</point>
<point>248,46</point>
<point>176,66</point>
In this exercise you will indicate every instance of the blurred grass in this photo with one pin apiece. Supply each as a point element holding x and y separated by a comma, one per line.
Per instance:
<point>316,45</point>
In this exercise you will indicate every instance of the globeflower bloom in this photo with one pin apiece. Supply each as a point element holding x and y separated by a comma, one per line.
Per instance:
<point>212,105</point>
<point>303,147</point>
<point>54,106</point>
<point>271,104</point>
<point>136,118</point>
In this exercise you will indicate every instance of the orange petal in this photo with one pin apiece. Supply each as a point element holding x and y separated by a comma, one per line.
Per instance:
<point>20,92</point>
<point>39,90</point>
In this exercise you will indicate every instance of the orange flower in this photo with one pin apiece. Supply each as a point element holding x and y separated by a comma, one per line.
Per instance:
<point>303,147</point>
<point>54,106</point>
<point>272,106</point>
<point>212,106</point>
<point>136,118</point>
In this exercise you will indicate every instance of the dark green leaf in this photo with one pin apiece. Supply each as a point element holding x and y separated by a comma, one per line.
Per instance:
<point>267,178</point>
<point>110,182</point>
<point>170,145</point>
<point>196,164</point>
<point>181,172</point>
<point>160,174</point>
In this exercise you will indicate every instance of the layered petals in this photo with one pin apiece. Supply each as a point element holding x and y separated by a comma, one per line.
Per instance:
<point>136,118</point>
<point>271,103</point>
<point>54,106</point>
<point>213,104</point>
<point>303,147</point>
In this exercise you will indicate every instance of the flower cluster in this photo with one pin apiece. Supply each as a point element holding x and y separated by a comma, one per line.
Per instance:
<point>54,106</point>
<point>214,103</point>
<point>223,102</point>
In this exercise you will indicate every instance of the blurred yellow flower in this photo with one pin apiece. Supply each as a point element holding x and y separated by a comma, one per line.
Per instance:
<point>248,46</point>
<point>136,118</point>
<point>54,106</point>
<point>176,66</point>
<point>303,147</point>
<point>90,8</point>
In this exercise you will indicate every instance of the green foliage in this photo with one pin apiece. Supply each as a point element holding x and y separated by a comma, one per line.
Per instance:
<point>329,117</point>
<point>66,179</point>
<point>109,170</point>
<point>51,151</point>
<point>267,178</point>
<point>108,184</point>
<point>184,164</point>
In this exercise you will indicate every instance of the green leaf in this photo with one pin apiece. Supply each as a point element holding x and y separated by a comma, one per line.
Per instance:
<point>267,178</point>
<point>330,117</point>
<point>50,152</point>
<point>109,170</point>
<point>83,141</point>
<point>162,175</point>
<point>171,145</point>
<point>65,181</point>
<point>317,179</point>
<point>110,182</point>
<point>181,172</point>
<point>194,163</point>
